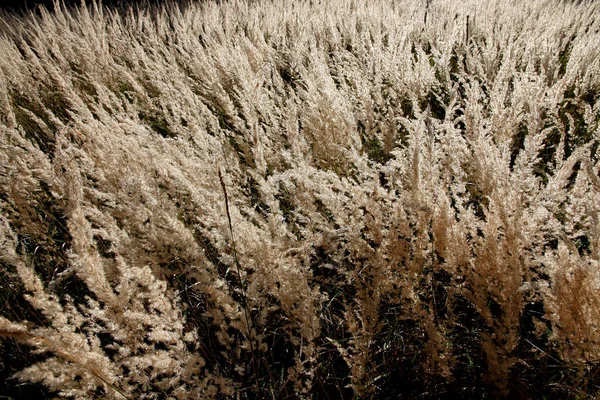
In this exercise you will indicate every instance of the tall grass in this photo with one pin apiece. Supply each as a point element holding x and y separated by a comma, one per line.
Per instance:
<point>301,199</point>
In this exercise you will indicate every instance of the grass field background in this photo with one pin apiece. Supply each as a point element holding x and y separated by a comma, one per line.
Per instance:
<point>301,199</point>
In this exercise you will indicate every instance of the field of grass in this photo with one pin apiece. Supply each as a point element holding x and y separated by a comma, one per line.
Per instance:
<point>280,199</point>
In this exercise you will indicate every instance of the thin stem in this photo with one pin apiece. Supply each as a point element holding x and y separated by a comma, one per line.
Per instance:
<point>238,267</point>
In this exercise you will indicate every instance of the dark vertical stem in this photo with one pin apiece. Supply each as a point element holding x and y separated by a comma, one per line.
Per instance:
<point>243,289</point>
<point>467,33</point>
